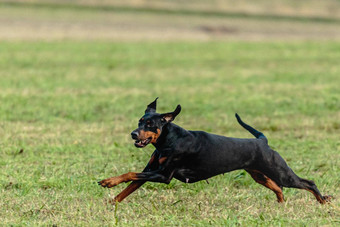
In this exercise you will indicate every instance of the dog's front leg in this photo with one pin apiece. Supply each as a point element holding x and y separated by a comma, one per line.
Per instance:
<point>154,176</point>
<point>152,165</point>
<point>113,181</point>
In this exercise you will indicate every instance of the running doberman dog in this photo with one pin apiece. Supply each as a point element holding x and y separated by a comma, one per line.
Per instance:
<point>192,156</point>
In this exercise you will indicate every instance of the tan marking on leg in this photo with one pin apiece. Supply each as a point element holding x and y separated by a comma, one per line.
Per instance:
<point>132,187</point>
<point>113,181</point>
<point>318,198</point>
<point>162,160</point>
<point>151,159</point>
<point>127,191</point>
<point>260,178</point>
<point>275,188</point>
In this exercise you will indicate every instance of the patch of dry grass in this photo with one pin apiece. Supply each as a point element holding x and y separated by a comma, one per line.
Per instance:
<point>169,20</point>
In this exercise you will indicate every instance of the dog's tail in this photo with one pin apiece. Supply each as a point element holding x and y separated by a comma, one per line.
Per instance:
<point>253,131</point>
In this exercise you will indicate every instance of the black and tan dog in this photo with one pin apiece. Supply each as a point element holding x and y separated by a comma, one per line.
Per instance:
<point>192,156</point>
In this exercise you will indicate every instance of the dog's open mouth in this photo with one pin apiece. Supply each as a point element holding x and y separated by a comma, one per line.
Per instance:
<point>142,143</point>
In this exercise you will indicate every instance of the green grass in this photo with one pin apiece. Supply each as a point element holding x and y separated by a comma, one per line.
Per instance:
<point>72,105</point>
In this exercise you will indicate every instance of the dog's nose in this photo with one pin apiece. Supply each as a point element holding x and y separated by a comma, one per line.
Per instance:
<point>134,134</point>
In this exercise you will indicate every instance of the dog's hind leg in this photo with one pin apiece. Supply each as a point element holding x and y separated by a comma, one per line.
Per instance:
<point>275,167</point>
<point>290,180</point>
<point>267,182</point>
<point>311,187</point>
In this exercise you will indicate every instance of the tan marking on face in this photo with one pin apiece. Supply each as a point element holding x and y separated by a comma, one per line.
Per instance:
<point>147,134</point>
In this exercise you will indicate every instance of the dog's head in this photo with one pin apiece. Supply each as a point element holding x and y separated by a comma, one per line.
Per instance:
<point>150,126</point>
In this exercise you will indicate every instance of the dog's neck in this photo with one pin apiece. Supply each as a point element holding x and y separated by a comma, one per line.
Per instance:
<point>169,135</point>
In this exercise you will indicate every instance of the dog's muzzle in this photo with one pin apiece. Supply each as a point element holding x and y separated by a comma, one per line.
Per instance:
<point>140,143</point>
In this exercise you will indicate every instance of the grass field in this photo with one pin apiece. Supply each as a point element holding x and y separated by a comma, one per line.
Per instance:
<point>74,80</point>
<point>69,107</point>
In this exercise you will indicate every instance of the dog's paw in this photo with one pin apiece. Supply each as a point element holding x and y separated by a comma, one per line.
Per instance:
<point>110,182</point>
<point>327,198</point>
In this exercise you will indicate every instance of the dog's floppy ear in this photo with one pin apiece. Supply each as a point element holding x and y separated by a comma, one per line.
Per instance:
<point>168,117</point>
<point>151,108</point>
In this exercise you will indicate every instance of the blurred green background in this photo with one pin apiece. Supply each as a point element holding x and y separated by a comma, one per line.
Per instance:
<point>170,20</point>
<point>75,77</point>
